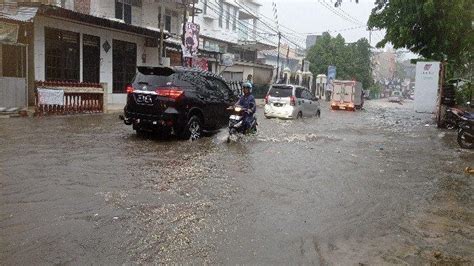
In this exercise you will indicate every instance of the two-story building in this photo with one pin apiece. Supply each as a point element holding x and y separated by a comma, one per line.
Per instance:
<point>98,41</point>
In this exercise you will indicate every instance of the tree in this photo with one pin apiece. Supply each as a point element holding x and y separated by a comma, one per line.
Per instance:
<point>435,29</point>
<point>352,61</point>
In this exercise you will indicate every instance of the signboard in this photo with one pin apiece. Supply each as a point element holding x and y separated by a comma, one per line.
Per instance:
<point>426,86</point>
<point>331,77</point>
<point>8,32</point>
<point>191,40</point>
<point>200,63</point>
<point>227,60</point>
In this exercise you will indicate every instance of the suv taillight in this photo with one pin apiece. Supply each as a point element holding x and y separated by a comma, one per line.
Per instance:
<point>292,100</point>
<point>170,92</point>
<point>266,99</point>
<point>129,89</point>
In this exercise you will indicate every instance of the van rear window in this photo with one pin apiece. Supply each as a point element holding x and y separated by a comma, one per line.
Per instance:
<point>284,91</point>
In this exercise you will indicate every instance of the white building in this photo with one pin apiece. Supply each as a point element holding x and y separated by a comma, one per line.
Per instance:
<point>97,41</point>
<point>232,27</point>
<point>103,41</point>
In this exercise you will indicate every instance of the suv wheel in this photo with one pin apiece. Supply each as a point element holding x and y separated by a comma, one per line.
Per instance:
<point>193,129</point>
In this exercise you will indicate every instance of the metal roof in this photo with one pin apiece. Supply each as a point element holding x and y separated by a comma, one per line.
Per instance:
<point>26,12</point>
<point>20,14</point>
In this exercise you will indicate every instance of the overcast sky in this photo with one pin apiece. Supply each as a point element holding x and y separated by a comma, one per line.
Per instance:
<point>315,16</point>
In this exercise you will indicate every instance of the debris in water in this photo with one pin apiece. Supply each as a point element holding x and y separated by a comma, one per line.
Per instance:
<point>469,170</point>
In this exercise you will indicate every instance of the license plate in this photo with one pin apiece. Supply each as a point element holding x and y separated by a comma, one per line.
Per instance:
<point>342,107</point>
<point>278,104</point>
<point>235,117</point>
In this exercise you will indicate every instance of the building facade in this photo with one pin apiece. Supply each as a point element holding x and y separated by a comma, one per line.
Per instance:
<point>231,28</point>
<point>103,41</point>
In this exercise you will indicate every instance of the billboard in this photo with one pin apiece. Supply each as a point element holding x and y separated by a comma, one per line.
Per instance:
<point>191,40</point>
<point>426,86</point>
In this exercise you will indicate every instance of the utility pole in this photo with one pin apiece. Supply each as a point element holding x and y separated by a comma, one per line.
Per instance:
<point>185,3</point>
<point>370,37</point>
<point>278,57</point>
<point>160,55</point>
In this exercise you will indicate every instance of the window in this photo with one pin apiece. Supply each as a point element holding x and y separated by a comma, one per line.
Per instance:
<point>123,11</point>
<point>124,61</point>
<point>221,12</point>
<point>62,55</point>
<point>298,93</point>
<point>91,58</point>
<point>220,87</point>
<point>168,20</point>
<point>227,22</point>
<point>13,61</point>
<point>281,91</point>
<point>159,17</point>
<point>234,23</point>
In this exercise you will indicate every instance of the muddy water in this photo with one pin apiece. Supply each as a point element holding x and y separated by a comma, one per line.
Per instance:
<point>379,186</point>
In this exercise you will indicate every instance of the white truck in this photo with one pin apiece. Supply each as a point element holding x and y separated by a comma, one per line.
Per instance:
<point>346,95</point>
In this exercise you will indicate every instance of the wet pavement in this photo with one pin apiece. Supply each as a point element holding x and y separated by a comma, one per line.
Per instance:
<point>378,186</point>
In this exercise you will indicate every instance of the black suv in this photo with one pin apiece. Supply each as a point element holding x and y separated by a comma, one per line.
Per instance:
<point>177,100</point>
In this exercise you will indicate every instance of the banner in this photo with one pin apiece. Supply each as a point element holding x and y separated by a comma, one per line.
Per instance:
<point>8,32</point>
<point>191,40</point>
<point>227,60</point>
<point>50,97</point>
<point>331,77</point>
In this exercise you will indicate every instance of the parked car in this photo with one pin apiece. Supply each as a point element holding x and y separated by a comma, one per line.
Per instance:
<point>177,100</point>
<point>396,96</point>
<point>290,101</point>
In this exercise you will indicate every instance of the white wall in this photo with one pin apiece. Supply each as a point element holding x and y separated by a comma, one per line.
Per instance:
<point>103,8</point>
<point>105,57</point>
<point>210,27</point>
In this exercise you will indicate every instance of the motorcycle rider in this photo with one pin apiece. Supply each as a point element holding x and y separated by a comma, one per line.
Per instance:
<point>247,101</point>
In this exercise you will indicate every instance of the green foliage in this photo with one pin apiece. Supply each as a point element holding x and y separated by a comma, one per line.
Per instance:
<point>435,29</point>
<point>375,90</point>
<point>351,60</point>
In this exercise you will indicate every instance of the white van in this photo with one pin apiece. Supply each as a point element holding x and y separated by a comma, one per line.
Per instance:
<point>290,101</point>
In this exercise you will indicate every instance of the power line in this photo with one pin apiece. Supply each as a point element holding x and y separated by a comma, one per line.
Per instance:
<point>269,27</point>
<point>347,14</point>
<point>244,7</point>
<point>339,14</point>
<point>218,12</point>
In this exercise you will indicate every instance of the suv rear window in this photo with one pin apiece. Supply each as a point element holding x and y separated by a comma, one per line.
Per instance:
<point>283,91</point>
<point>151,82</point>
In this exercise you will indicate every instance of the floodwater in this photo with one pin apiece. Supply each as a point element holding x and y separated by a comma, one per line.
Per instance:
<point>378,186</point>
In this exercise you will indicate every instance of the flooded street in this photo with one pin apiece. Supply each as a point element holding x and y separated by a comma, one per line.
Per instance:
<point>378,186</point>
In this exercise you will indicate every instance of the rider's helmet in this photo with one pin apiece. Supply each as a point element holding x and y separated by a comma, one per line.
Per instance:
<point>248,86</point>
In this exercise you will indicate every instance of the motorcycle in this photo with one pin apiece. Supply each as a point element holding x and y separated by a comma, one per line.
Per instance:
<point>466,133</point>
<point>236,123</point>
<point>454,117</point>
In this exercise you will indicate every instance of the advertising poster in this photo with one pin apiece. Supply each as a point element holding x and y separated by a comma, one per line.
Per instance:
<point>191,40</point>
